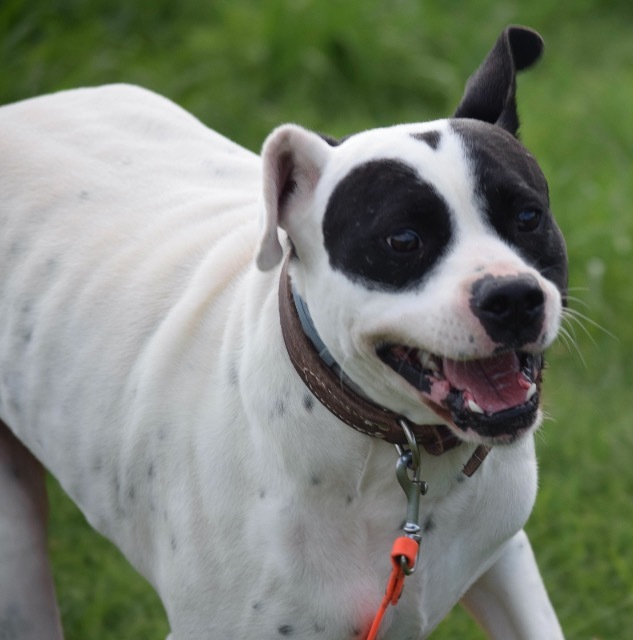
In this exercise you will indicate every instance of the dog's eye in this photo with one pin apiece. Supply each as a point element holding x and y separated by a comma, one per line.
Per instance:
<point>528,220</point>
<point>404,241</point>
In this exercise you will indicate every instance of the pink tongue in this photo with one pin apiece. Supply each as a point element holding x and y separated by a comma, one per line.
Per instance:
<point>494,384</point>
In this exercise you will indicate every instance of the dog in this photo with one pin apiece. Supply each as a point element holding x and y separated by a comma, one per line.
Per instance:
<point>216,352</point>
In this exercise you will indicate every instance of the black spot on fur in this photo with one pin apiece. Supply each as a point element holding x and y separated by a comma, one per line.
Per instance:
<point>308,402</point>
<point>432,138</point>
<point>429,525</point>
<point>279,409</point>
<point>233,375</point>
<point>315,481</point>
<point>331,140</point>
<point>373,203</point>
<point>286,630</point>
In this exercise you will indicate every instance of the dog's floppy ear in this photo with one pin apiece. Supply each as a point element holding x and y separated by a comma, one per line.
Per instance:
<point>490,91</point>
<point>293,160</point>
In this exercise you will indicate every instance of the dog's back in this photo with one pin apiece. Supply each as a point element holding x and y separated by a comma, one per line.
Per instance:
<point>104,190</point>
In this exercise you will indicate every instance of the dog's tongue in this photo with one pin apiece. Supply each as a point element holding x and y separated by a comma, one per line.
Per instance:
<point>494,384</point>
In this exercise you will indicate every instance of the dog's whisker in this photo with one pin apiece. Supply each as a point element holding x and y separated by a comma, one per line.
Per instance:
<point>577,300</point>
<point>567,336</point>
<point>580,318</point>
<point>541,436</point>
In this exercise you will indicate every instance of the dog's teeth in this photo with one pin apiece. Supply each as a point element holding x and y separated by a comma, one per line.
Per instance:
<point>474,407</point>
<point>531,391</point>
<point>428,362</point>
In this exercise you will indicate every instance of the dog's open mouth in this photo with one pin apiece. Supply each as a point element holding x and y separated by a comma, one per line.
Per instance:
<point>496,397</point>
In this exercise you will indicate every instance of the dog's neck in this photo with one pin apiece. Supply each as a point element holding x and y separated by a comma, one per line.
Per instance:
<point>324,353</point>
<point>326,380</point>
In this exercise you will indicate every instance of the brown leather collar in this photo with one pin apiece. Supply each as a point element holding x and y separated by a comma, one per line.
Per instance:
<point>347,406</point>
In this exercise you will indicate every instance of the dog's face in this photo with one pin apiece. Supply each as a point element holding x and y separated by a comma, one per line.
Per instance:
<point>429,260</point>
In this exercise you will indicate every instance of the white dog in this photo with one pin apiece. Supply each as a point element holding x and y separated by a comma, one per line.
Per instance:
<point>229,425</point>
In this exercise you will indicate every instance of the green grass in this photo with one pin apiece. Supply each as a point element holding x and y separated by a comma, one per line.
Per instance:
<point>244,67</point>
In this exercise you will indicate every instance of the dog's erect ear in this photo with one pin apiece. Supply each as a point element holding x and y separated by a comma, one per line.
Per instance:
<point>490,91</point>
<point>293,160</point>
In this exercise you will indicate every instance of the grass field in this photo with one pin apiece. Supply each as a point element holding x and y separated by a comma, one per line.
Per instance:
<point>245,66</point>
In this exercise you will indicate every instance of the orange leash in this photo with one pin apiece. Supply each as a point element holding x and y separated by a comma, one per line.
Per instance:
<point>404,553</point>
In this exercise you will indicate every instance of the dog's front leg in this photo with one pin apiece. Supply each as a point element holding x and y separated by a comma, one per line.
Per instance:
<point>510,601</point>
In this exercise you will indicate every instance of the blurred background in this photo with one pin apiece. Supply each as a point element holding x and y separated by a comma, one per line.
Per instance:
<point>244,66</point>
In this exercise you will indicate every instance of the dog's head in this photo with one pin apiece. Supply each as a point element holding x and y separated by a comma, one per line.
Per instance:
<point>427,254</point>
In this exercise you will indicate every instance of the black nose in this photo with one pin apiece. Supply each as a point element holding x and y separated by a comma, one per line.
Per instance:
<point>510,308</point>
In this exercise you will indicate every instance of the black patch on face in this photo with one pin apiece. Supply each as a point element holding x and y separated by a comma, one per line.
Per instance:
<point>377,201</point>
<point>516,196</point>
<point>432,138</point>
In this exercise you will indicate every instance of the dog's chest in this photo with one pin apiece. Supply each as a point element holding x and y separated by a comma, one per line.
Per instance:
<point>320,508</point>
<point>315,559</point>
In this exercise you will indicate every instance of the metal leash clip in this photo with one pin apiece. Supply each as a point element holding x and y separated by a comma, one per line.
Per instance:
<point>413,487</point>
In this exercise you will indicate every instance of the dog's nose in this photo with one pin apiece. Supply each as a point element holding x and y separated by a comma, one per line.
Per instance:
<point>510,308</point>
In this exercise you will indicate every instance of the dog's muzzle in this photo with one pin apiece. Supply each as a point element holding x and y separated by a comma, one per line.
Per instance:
<point>497,397</point>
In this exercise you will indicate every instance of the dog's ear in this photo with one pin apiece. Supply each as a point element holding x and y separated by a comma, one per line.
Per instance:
<point>490,91</point>
<point>293,160</point>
